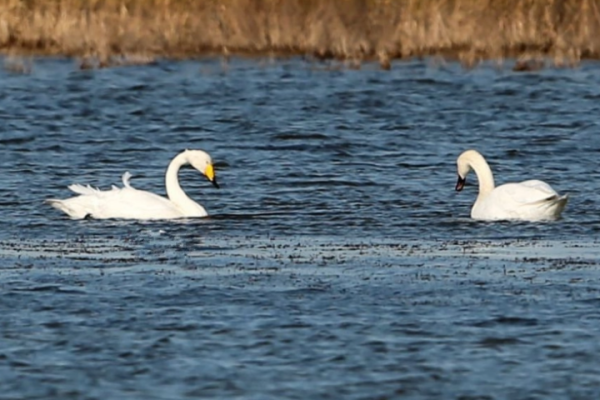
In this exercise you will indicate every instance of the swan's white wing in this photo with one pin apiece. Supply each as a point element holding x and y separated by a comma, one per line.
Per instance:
<point>539,185</point>
<point>132,204</point>
<point>89,190</point>
<point>85,190</point>
<point>126,203</point>
<point>529,200</point>
<point>523,193</point>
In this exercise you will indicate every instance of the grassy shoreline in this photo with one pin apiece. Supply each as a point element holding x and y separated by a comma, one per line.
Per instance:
<point>565,31</point>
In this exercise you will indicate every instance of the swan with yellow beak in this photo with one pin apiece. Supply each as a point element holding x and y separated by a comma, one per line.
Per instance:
<point>130,203</point>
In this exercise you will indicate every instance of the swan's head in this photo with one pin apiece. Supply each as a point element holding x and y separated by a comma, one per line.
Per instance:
<point>464,164</point>
<point>202,161</point>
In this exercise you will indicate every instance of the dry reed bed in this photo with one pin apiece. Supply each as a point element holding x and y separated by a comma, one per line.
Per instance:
<point>472,30</point>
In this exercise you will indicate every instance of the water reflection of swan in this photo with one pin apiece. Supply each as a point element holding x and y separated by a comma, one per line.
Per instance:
<point>531,200</point>
<point>130,203</point>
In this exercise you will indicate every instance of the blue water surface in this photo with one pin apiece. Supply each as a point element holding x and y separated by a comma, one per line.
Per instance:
<point>337,262</point>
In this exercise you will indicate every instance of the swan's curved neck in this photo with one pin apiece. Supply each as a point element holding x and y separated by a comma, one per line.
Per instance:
<point>484,174</point>
<point>174,192</point>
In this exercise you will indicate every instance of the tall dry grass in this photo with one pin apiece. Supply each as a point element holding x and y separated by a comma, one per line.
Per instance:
<point>472,30</point>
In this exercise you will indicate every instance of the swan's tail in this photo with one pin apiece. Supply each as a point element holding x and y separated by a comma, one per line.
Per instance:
<point>556,204</point>
<point>561,202</point>
<point>65,206</point>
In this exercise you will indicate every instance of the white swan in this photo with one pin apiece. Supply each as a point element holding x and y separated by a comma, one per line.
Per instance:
<point>130,203</point>
<point>531,200</point>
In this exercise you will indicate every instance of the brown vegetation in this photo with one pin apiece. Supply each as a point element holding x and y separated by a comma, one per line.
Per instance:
<point>354,30</point>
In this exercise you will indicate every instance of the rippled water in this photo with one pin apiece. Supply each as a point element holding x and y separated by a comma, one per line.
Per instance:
<point>338,262</point>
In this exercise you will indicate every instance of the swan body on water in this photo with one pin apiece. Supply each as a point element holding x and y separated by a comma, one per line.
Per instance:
<point>530,200</point>
<point>130,203</point>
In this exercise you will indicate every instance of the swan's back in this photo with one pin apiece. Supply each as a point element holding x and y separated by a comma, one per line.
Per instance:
<point>531,200</point>
<point>525,193</point>
<point>125,203</point>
